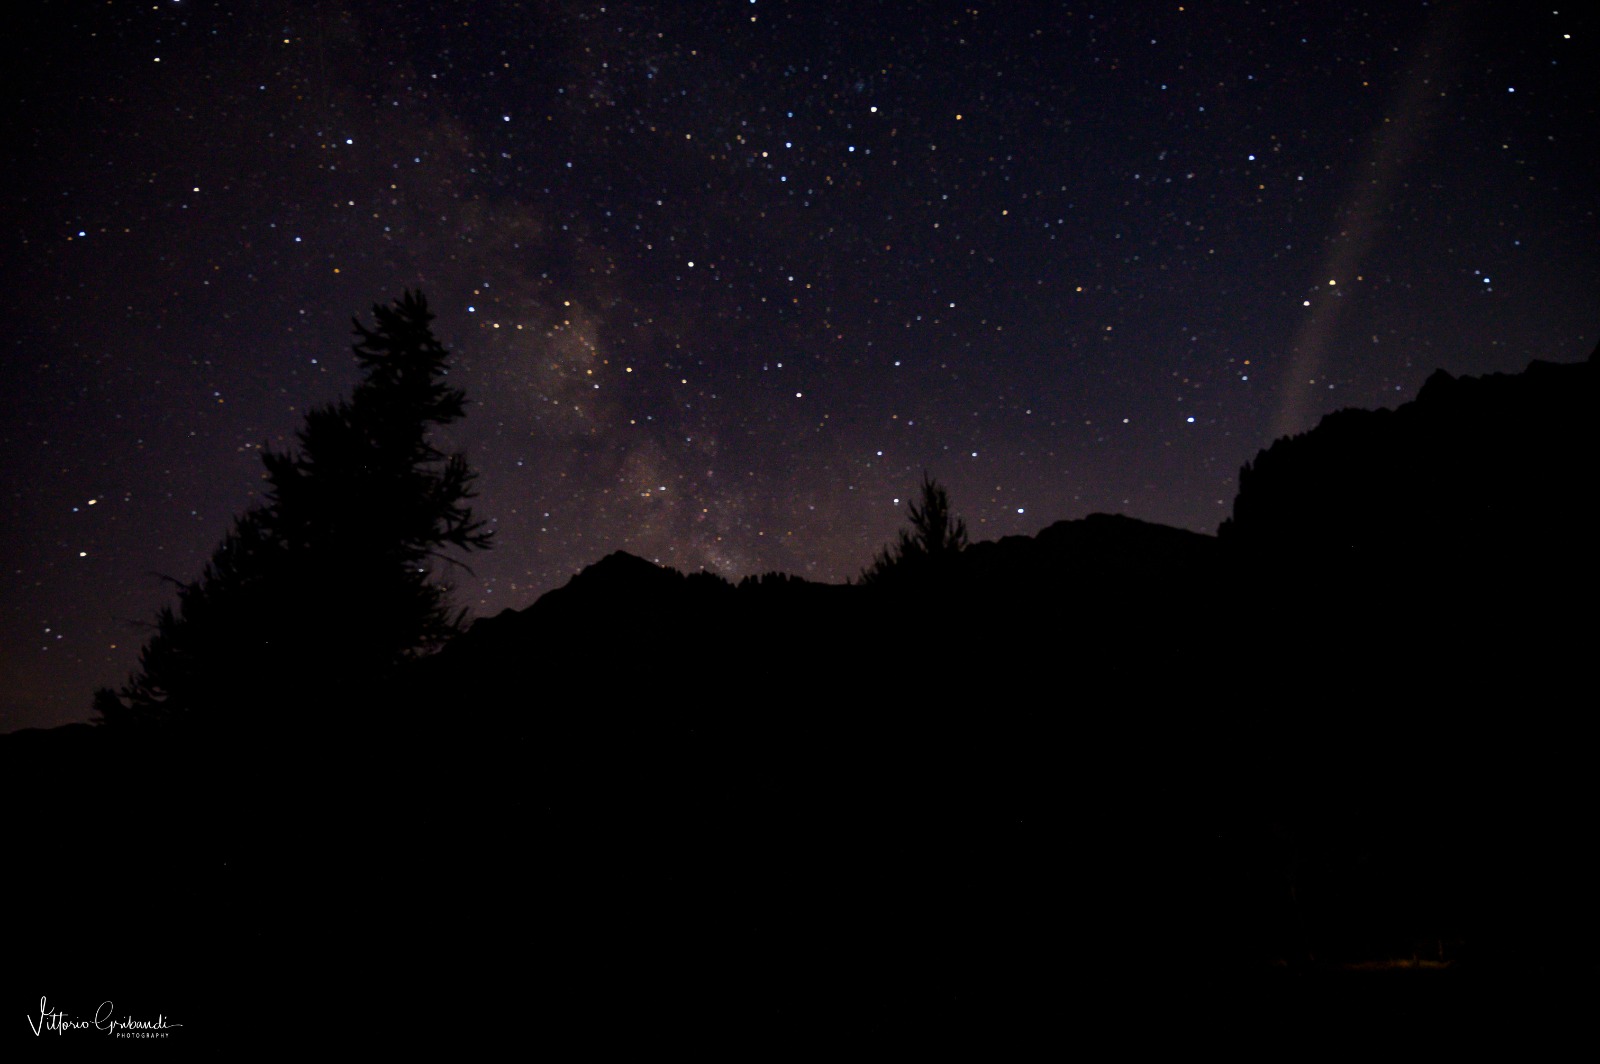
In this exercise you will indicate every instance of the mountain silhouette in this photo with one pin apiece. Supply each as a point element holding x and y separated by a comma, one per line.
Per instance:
<point>1494,470</point>
<point>1348,729</point>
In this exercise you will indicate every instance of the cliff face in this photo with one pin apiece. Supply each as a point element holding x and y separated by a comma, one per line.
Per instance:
<point>1478,471</point>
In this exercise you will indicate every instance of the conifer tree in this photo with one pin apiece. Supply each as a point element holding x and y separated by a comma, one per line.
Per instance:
<point>326,587</point>
<point>935,535</point>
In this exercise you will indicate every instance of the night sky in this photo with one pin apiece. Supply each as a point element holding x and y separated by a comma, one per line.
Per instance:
<point>723,279</point>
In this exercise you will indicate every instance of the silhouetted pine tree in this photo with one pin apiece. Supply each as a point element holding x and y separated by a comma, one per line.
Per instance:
<point>934,536</point>
<point>322,590</point>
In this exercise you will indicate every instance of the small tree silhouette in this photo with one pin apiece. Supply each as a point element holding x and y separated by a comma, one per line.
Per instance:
<point>934,536</point>
<point>327,586</point>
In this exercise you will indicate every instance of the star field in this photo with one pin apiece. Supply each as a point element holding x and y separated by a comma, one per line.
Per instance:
<point>722,279</point>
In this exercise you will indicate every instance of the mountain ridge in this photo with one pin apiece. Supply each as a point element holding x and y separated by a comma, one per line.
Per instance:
<point>1341,731</point>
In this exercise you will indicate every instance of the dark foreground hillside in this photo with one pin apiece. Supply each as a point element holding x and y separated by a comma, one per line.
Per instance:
<point>1060,782</point>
